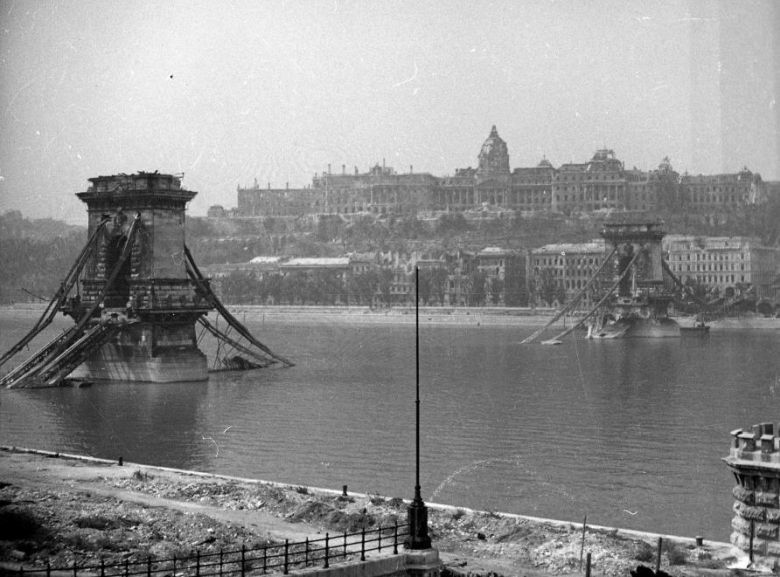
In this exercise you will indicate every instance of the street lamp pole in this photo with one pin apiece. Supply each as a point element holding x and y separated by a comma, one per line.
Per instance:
<point>417,511</point>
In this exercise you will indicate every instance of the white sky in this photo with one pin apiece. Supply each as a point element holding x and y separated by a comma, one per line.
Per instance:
<point>228,91</point>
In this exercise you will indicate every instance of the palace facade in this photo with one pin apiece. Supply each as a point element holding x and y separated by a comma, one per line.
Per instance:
<point>603,182</point>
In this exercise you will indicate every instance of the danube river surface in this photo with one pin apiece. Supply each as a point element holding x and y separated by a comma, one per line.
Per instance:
<point>630,433</point>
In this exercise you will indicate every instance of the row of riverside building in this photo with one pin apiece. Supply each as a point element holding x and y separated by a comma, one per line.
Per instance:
<point>603,182</point>
<point>544,276</point>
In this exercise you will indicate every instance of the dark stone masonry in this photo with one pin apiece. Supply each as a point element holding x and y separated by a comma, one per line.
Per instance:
<point>754,459</point>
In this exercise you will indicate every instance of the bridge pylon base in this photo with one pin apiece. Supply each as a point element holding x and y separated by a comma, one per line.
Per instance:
<point>147,352</point>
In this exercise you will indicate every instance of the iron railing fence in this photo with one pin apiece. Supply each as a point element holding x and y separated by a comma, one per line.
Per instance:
<point>234,562</point>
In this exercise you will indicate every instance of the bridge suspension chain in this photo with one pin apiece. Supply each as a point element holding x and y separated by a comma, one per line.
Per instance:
<point>59,298</point>
<point>200,282</point>
<point>52,362</point>
<point>598,305</point>
<point>573,302</point>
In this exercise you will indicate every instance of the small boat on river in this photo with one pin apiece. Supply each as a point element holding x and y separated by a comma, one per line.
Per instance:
<point>698,328</point>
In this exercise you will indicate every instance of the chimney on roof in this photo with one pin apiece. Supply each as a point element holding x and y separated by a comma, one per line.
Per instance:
<point>343,169</point>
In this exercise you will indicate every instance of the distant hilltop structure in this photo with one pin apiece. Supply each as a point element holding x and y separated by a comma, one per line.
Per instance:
<point>601,183</point>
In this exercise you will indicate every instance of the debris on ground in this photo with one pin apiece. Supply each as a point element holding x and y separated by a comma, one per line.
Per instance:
<point>66,511</point>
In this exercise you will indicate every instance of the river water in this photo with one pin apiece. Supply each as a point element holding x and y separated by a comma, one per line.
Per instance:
<point>628,432</point>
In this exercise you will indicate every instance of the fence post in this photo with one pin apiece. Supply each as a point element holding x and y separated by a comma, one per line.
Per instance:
<point>174,566</point>
<point>752,533</point>
<point>149,566</point>
<point>74,567</point>
<point>243,560</point>
<point>363,544</point>
<point>658,555</point>
<point>345,543</point>
<point>48,568</point>
<point>306,554</point>
<point>127,568</point>
<point>265,559</point>
<point>102,567</point>
<point>197,562</point>
<point>379,545</point>
<point>326,551</point>
<point>21,571</point>
<point>587,565</point>
<point>220,562</point>
<point>286,555</point>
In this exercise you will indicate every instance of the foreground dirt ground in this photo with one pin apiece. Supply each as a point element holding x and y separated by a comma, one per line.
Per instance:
<point>58,509</point>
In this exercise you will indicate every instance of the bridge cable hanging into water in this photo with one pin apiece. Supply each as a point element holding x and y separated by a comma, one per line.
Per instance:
<point>224,337</point>
<point>708,306</point>
<point>58,358</point>
<point>679,283</point>
<point>572,303</point>
<point>200,281</point>
<point>557,339</point>
<point>59,298</point>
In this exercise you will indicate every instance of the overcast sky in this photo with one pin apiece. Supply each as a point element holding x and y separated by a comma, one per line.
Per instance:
<point>226,92</point>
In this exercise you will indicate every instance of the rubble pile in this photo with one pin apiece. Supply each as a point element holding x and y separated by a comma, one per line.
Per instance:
<point>63,526</point>
<point>294,504</point>
<point>556,549</point>
<point>118,513</point>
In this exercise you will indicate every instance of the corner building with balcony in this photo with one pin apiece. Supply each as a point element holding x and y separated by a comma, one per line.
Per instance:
<point>731,264</point>
<point>560,271</point>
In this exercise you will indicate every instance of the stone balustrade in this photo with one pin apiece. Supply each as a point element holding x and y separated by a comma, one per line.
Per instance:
<point>761,443</point>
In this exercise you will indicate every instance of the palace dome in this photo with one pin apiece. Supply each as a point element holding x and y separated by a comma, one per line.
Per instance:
<point>494,155</point>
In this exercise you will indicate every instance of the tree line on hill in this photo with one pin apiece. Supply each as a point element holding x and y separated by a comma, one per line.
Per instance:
<point>219,241</point>
<point>35,256</point>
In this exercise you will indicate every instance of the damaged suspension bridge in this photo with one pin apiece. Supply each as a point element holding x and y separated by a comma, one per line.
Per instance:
<point>135,295</point>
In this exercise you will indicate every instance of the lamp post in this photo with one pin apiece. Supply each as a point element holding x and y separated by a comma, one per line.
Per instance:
<point>417,511</point>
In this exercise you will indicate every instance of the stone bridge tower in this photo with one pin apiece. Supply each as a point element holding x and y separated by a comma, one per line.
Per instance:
<point>151,304</point>
<point>630,236</point>
<point>639,302</point>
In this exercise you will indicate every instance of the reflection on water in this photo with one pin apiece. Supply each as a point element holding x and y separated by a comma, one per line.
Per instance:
<point>630,433</point>
<point>151,424</point>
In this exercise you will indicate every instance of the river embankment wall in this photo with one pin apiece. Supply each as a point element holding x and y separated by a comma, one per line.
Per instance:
<point>455,316</point>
